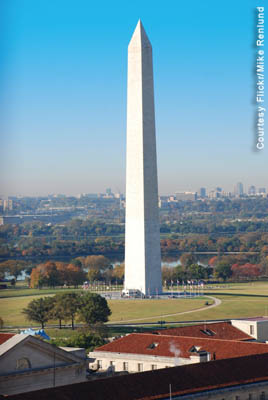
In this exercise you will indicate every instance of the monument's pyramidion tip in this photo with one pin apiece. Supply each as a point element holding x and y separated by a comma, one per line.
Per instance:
<point>139,36</point>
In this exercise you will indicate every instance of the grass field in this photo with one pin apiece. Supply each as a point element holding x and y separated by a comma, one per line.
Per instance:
<point>238,300</point>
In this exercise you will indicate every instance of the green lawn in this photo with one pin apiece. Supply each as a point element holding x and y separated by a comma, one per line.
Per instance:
<point>138,309</point>
<point>238,300</point>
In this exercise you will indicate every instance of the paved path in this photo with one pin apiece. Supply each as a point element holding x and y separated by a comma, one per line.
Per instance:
<point>216,303</point>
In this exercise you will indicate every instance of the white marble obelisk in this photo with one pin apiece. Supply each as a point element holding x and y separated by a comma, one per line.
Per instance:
<point>142,242</point>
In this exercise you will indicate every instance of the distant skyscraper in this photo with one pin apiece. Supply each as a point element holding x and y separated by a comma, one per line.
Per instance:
<point>252,190</point>
<point>202,192</point>
<point>262,190</point>
<point>142,244</point>
<point>238,189</point>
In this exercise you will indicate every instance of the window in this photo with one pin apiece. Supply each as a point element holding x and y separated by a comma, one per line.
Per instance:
<point>194,349</point>
<point>112,363</point>
<point>140,367</point>
<point>262,396</point>
<point>23,363</point>
<point>208,332</point>
<point>251,329</point>
<point>154,366</point>
<point>99,364</point>
<point>152,345</point>
<point>125,366</point>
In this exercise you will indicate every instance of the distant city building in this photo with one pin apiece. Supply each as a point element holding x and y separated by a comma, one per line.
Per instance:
<point>214,194</point>
<point>262,190</point>
<point>8,205</point>
<point>89,195</point>
<point>238,189</point>
<point>252,190</point>
<point>190,196</point>
<point>202,192</point>
<point>108,191</point>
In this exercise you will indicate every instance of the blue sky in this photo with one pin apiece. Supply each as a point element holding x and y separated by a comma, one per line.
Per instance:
<point>63,94</point>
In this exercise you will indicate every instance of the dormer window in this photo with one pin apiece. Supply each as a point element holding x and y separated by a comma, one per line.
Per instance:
<point>194,349</point>
<point>152,346</point>
<point>208,332</point>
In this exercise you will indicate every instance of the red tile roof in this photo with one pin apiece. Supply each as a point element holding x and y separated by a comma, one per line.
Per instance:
<point>219,330</point>
<point>139,343</point>
<point>154,385</point>
<point>5,336</point>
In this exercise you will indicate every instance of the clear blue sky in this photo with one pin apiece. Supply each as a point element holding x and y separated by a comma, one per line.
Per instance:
<point>63,94</point>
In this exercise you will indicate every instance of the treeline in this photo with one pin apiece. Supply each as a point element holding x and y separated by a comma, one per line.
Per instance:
<point>234,267</point>
<point>76,229</point>
<point>249,242</point>
<point>207,227</point>
<point>57,273</point>
<point>91,268</point>
<point>32,247</point>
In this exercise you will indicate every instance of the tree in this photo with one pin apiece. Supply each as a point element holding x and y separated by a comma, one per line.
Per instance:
<point>87,340</point>
<point>93,308</point>
<point>71,303</point>
<point>119,272</point>
<point>187,259</point>
<point>96,265</point>
<point>223,270</point>
<point>58,310</point>
<point>13,267</point>
<point>38,310</point>
<point>75,275</point>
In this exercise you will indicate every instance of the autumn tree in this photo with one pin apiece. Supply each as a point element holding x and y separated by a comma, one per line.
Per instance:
<point>187,259</point>
<point>119,272</point>
<point>13,267</point>
<point>96,265</point>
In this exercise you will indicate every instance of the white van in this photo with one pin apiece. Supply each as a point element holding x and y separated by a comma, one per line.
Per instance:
<point>132,293</point>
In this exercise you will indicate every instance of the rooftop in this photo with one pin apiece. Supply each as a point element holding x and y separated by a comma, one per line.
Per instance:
<point>166,346</point>
<point>219,330</point>
<point>5,336</point>
<point>153,385</point>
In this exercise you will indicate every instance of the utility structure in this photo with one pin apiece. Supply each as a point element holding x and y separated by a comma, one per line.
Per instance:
<point>142,240</point>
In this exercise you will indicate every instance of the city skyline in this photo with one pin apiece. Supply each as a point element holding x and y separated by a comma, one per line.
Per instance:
<point>64,110</point>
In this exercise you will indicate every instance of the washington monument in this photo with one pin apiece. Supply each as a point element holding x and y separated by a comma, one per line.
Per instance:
<point>142,243</point>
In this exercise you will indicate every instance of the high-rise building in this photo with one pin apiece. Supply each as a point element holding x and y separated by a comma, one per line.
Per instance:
<point>262,190</point>
<point>252,190</point>
<point>202,192</point>
<point>238,189</point>
<point>142,244</point>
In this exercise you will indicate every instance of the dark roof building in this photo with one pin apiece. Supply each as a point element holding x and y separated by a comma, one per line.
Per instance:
<point>223,379</point>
